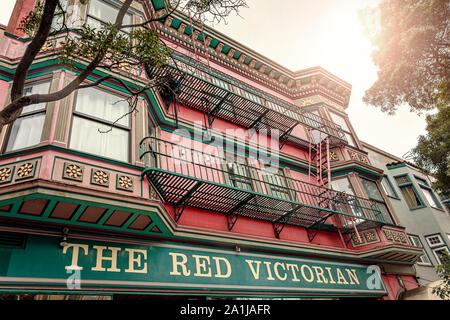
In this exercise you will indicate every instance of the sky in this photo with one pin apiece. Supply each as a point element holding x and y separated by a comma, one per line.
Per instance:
<point>300,34</point>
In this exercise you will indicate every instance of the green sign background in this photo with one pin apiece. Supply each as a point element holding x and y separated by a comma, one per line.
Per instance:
<point>43,263</point>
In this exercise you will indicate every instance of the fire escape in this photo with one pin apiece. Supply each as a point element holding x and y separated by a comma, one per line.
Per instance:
<point>185,177</point>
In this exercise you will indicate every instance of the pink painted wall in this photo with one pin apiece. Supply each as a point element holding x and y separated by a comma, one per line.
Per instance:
<point>21,9</point>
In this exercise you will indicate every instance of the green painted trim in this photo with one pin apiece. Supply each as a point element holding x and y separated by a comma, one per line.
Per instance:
<point>70,151</point>
<point>400,165</point>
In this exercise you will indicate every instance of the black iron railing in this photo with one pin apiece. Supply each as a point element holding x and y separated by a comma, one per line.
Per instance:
<point>220,96</point>
<point>235,186</point>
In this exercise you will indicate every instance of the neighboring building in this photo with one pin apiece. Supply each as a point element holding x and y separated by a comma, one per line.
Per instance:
<point>417,207</point>
<point>221,192</point>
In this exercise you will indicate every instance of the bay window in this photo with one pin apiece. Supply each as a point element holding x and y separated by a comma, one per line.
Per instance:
<point>101,124</point>
<point>26,131</point>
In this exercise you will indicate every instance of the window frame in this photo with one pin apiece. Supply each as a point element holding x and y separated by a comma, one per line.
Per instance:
<point>424,185</point>
<point>382,202</point>
<point>391,186</point>
<point>82,115</point>
<point>347,123</point>
<point>112,5</point>
<point>441,242</point>
<point>420,261</point>
<point>43,110</point>
<point>409,184</point>
<point>436,255</point>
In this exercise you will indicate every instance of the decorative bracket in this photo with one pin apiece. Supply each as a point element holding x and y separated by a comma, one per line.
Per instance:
<point>183,202</point>
<point>284,137</point>
<point>232,216</point>
<point>278,224</point>
<point>213,114</point>
<point>313,234</point>
<point>256,123</point>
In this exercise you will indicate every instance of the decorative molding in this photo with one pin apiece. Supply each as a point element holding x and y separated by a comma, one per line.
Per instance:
<point>395,236</point>
<point>365,237</point>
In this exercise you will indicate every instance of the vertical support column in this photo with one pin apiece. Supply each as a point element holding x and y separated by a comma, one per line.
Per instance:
<point>328,163</point>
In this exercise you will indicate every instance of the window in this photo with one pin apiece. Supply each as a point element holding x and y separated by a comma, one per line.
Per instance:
<point>100,13</point>
<point>434,240</point>
<point>239,176</point>
<point>101,124</point>
<point>277,184</point>
<point>388,188</point>
<point>344,185</point>
<point>374,194</point>
<point>415,240</point>
<point>439,253</point>
<point>339,120</point>
<point>428,193</point>
<point>26,131</point>
<point>409,193</point>
<point>58,20</point>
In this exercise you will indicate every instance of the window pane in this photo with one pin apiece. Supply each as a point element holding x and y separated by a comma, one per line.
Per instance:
<point>36,88</point>
<point>240,176</point>
<point>429,197</point>
<point>387,187</point>
<point>350,140</point>
<point>26,132</point>
<point>58,19</point>
<point>340,121</point>
<point>86,137</point>
<point>372,189</point>
<point>105,13</point>
<point>342,185</point>
<point>277,184</point>
<point>384,211</point>
<point>103,105</point>
<point>410,196</point>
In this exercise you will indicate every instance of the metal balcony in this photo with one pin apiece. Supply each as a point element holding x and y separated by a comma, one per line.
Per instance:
<point>185,176</point>
<point>198,87</point>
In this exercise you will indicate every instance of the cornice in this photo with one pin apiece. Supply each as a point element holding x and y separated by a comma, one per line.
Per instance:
<point>239,58</point>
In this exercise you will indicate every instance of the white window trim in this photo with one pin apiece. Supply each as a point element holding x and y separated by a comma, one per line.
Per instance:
<point>435,244</point>
<point>419,262</point>
<point>436,255</point>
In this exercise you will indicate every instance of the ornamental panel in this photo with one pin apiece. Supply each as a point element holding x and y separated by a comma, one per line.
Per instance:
<point>73,171</point>
<point>100,177</point>
<point>26,170</point>
<point>6,174</point>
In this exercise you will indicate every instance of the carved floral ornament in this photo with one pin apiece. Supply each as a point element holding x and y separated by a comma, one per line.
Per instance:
<point>100,177</point>
<point>395,236</point>
<point>73,172</point>
<point>124,183</point>
<point>365,237</point>
<point>333,156</point>
<point>26,170</point>
<point>5,174</point>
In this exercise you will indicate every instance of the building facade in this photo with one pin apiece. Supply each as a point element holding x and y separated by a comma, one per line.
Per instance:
<point>419,209</point>
<point>244,180</point>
